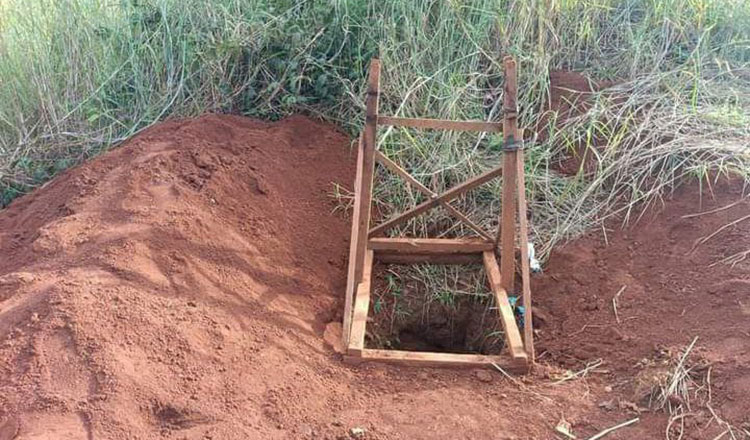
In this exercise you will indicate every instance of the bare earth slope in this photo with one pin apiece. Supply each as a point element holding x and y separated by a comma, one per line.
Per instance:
<point>180,287</point>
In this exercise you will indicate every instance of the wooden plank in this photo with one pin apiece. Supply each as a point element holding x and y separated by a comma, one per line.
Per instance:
<point>507,234</point>
<point>505,311</point>
<point>359,320</point>
<point>457,259</point>
<point>393,166</point>
<point>528,324</point>
<point>351,281</point>
<point>444,197</point>
<point>368,165</point>
<point>450,360</point>
<point>441,124</point>
<point>361,308</point>
<point>430,245</point>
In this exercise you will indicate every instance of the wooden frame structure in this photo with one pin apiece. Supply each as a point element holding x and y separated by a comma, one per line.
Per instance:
<point>367,244</point>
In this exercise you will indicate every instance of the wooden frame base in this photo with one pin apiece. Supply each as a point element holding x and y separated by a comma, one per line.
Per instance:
<point>367,245</point>
<point>449,251</point>
<point>431,359</point>
<point>429,250</point>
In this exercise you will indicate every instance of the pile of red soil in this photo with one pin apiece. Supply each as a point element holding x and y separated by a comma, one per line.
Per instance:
<point>177,284</point>
<point>180,287</point>
<point>637,297</point>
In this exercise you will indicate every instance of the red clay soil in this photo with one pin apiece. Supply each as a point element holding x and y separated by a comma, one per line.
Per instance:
<point>666,275</point>
<point>183,285</point>
<point>570,96</point>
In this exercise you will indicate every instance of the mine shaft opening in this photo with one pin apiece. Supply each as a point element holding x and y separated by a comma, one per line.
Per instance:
<point>433,308</point>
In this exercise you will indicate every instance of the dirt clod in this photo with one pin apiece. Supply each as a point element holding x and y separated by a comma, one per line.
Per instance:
<point>484,376</point>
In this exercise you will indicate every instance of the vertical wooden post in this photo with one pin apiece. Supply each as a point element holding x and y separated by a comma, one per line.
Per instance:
<point>361,308</point>
<point>351,282</point>
<point>507,233</point>
<point>368,165</point>
<point>362,195</point>
<point>523,238</point>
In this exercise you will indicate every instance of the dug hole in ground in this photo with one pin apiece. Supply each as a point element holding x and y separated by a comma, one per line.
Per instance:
<point>189,285</point>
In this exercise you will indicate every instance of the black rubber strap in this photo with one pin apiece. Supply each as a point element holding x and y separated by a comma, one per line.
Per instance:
<point>511,144</point>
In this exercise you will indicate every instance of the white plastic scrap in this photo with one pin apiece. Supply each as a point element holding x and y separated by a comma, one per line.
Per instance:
<point>533,262</point>
<point>357,432</point>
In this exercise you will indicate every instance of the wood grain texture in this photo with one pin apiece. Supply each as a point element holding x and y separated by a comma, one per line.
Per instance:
<point>441,124</point>
<point>351,276</point>
<point>523,232</point>
<point>361,308</point>
<point>368,165</point>
<point>430,245</point>
<point>505,311</point>
<point>507,234</point>
<point>432,359</point>
<point>446,259</point>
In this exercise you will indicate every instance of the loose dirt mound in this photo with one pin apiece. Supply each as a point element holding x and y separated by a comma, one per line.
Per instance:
<point>637,297</point>
<point>141,291</point>
<point>181,285</point>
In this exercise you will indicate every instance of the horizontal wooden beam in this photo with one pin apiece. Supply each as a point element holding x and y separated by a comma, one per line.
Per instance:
<point>441,124</point>
<point>430,245</point>
<point>505,311</point>
<point>431,359</point>
<point>447,259</point>
<point>444,197</point>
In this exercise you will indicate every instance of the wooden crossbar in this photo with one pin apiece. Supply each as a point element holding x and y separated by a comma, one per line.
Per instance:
<point>447,259</point>
<point>441,124</point>
<point>393,166</point>
<point>431,359</point>
<point>435,201</point>
<point>430,245</point>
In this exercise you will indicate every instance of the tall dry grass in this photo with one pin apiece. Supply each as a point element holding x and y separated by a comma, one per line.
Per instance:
<point>78,76</point>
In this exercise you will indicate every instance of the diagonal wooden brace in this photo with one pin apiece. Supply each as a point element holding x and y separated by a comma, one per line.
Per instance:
<point>435,201</point>
<point>505,312</point>
<point>393,166</point>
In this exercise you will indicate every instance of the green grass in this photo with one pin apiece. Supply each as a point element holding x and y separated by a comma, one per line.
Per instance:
<point>413,295</point>
<point>79,76</point>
